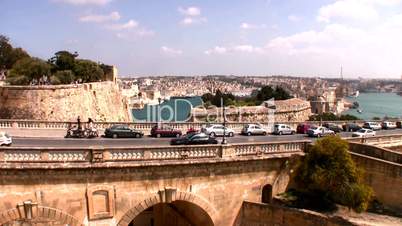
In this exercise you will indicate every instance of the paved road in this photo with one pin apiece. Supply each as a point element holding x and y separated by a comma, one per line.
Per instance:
<point>149,141</point>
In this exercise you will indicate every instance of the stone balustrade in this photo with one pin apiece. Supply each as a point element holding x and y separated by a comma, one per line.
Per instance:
<point>381,141</point>
<point>141,154</point>
<point>143,126</point>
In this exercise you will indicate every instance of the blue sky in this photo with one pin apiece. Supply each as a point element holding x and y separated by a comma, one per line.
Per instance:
<point>254,37</point>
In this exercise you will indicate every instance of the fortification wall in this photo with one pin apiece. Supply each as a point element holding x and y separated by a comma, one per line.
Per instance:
<point>383,173</point>
<point>101,101</point>
<point>271,215</point>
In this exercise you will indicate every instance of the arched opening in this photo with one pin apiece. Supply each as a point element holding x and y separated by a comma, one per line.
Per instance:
<point>266,196</point>
<point>31,214</point>
<point>176,213</point>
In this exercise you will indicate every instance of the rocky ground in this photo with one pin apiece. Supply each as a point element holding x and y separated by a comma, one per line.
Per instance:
<point>367,218</point>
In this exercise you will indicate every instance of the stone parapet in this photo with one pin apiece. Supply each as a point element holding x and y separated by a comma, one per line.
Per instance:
<point>21,158</point>
<point>146,126</point>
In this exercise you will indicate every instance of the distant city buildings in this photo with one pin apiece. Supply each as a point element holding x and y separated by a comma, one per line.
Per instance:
<point>324,95</point>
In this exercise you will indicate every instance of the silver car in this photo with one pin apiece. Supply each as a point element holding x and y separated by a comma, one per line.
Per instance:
<point>217,130</point>
<point>282,129</point>
<point>253,129</point>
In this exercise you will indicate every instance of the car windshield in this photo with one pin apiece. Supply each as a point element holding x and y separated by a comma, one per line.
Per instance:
<point>313,127</point>
<point>361,131</point>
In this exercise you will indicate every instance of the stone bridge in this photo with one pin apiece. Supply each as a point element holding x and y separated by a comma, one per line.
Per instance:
<point>141,186</point>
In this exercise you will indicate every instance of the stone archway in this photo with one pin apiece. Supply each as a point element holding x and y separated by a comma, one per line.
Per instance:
<point>169,196</point>
<point>266,196</point>
<point>29,213</point>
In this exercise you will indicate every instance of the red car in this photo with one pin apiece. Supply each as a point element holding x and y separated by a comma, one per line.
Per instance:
<point>164,131</point>
<point>303,128</point>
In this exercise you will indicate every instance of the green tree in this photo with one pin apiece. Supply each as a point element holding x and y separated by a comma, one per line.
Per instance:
<point>54,80</point>
<point>63,60</point>
<point>264,94</point>
<point>207,97</point>
<point>348,117</point>
<point>281,94</point>
<point>88,71</point>
<point>64,77</point>
<point>328,170</point>
<point>328,116</point>
<point>267,92</point>
<point>30,68</point>
<point>9,55</point>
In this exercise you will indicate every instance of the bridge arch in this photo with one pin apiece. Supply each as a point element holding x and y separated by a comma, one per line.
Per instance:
<point>169,196</point>
<point>29,212</point>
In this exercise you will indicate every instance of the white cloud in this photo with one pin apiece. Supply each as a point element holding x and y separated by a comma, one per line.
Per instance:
<point>193,20</point>
<point>234,49</point>
<point>247,49</point>
<point>123,26</point>
<point>170,51</point>
<point>85,2</point>
<point>190,11</point>
<point>216,50</point>
<point>192,15</point>
<point>294,18</point>
<point>97,18</point>
<point>247,26</point>
<point>361,10</point>
<point>372,50</point>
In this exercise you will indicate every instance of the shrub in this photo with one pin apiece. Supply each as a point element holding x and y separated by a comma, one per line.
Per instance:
<point>65,77</point>
<point>328,170</point>
<point>54,80</point>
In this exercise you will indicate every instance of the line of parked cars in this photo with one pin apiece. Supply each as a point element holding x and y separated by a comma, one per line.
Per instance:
<point>215,130</point>
<point>208,133</point>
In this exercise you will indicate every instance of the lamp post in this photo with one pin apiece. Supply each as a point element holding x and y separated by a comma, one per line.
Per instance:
<point>158,115</point>
<point>224,141</point>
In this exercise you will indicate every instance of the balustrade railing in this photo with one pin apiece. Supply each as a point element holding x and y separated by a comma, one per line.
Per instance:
<point>146,126</point>
<point>108,155</point>
<point>381,140</point>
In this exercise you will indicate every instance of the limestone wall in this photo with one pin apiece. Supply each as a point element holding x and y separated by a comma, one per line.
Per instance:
<point>113,195</point>
<point>383,171</point>
<point>270,215</point>
<point>101,101</point>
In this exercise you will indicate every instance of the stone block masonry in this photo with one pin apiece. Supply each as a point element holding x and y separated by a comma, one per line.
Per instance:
<point>101,101</point>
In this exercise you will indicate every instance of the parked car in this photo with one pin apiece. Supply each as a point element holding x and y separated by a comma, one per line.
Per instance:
<point>253,129</point>
<point>194,138</point>
<point>164,131</point>
<point>334,127</point>
<point>389,125</point>
<point>351,127</point>
<point>303,128</point>
<point>192,130</point>
<point>372,125</point>
<point>364,133</point>
<point>281,129</point>
<point>217,130</point>
<point>5,139</point>
<point>117,131</point>
<point>320,131</point>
